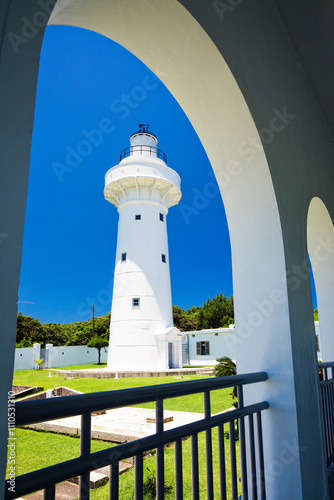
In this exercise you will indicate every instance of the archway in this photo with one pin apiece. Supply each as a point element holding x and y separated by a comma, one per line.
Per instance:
<point>197,75</point>
<point>320,239</point>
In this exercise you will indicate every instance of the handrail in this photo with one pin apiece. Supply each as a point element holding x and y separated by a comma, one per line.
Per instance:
<point>140,148</point>
<point>81,465</point>
<point>30,412</point>
<point>327,364</point>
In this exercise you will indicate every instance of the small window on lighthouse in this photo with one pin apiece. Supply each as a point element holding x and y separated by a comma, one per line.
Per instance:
<point>123,257</point>
<point>136,302</point>
<point>163,258</point>
<point>161,217</point>
<point>137,217</point>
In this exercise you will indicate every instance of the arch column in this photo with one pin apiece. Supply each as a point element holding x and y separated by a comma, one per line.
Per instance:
<point>227,76</point>
<point>20,49</point>
<point>265,190</point>
<point>320,239</point>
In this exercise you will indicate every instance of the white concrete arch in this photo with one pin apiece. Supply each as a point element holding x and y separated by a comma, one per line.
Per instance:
<point>270,320</point>
<point>320,240</point>
<point>186,60</point>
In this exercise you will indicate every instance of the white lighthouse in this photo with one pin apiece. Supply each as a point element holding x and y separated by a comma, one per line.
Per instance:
<point>143,188</point>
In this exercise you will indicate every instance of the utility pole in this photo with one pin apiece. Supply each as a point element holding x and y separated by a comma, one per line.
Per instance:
<point>93,307</point>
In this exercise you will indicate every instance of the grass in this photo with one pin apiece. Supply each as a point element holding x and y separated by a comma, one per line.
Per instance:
<point>127,479</point>
<point>220,400</point>
<point>90,366</point>
<point>38,449</point>
<point>32,445</point>
<point>31,455</point>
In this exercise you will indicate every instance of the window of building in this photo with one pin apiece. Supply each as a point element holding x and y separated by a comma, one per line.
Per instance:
<point>136,302</point>
<point>203,348</point>
<point>161,217</point>
<point>216,334</point>
<point>163,258</point>
<point>123,257</point>
<point>137,217</point>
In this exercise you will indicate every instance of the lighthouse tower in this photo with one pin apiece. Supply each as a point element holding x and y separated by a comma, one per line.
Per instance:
<point>143,188</point>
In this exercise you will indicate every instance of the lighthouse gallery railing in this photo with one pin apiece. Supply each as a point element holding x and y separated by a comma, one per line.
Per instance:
<point>143,149</point>
<point>251,462</point>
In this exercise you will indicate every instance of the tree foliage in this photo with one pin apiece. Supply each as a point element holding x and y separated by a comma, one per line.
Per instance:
<point>30,331</point>
<point>215,313</point>
<point>98,343</point>
<point>225,368</point>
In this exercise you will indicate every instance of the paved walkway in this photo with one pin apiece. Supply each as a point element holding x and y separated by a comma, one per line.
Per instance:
<point>121,424</point>
<point>104,373</point>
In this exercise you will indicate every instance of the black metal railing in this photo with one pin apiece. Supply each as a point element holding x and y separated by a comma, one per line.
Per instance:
<point>250,441</point>
<point>327,404</point>
<point>142,150</point>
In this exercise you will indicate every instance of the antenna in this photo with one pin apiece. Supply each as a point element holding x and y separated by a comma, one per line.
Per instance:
<point>143,127</point>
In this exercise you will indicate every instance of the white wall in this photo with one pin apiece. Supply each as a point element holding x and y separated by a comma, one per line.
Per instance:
<point>222,343</point>
<point>24,357</point>
<point>58,356</point>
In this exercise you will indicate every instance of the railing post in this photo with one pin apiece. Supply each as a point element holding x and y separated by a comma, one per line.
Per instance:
<point>139,476</point>
<point>114,482</point>
<point>222,466</point>
<point>234,482</point>
<point>50,493</point>
<point>85,452</point>
<point>159,419</point>
<point>208,446</point>
<point>178,470</point>
<point>242,441</point>
<point>262,483</point>
<point>194,467</point>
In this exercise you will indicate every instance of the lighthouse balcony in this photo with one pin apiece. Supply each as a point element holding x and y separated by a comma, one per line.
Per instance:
<point>144,150</point>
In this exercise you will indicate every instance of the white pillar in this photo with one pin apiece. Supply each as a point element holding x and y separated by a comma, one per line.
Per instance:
<point>37,354</point>
<point>143,188</point>
<point>49,355</point>
<point>320,239</point>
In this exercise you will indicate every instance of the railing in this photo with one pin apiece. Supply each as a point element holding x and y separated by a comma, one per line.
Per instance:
<point>84,405</point>
<point>327,403</point>
<point>142,149</point>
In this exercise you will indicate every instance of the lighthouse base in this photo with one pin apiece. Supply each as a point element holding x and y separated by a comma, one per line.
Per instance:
<point>160,352</point>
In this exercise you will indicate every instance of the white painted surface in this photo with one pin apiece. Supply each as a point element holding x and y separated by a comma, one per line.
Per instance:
<point>142,185</point>
<point>222,343</point>
<point>168,38</point>
<point>24,357</point>
<point>58,356</point>
<point>320,238</point>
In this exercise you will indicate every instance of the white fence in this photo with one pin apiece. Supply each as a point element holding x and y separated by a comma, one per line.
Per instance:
<point>56,357</point>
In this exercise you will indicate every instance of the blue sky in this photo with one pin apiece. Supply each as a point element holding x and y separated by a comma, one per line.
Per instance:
<point>88,83</point>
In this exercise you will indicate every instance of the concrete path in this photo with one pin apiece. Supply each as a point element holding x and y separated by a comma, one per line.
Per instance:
<point>104,373</point>
<point>121,424</point>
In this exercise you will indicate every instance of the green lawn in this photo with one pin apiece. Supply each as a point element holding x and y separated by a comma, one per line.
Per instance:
<point>35,450</point>
<point>220,400</point>
<point>91,366</point>
<point>39,449</point>
<point>32,445</point>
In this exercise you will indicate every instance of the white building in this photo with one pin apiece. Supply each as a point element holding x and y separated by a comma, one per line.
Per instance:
<point>204,347</point>
<point>143,188</point>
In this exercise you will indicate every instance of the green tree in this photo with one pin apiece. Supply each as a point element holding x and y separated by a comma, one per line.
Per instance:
<point>185,321</point>
<point>98,343</point>
<point>30,329</point>
<point>216,313</point>
<point>225,368</point>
